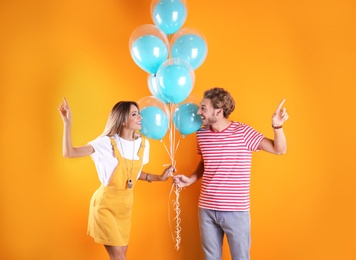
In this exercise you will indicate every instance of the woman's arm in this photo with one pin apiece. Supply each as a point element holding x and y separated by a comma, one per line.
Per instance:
<point>68,150</point>
<point>155,177</point>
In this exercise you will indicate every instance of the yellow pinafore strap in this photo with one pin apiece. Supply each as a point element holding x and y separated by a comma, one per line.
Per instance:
<point>122,173</point>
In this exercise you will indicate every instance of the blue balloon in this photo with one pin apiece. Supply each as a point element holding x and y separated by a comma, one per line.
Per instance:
<point>175,80</point>
<point>149,52</point>
<point>190,47</point>
<point>154,122</point>
<point>186,120</point>
<point>155,91</point>
<point>169,15</point>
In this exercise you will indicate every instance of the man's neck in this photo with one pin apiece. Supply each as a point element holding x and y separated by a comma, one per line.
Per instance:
<point>220,125</point>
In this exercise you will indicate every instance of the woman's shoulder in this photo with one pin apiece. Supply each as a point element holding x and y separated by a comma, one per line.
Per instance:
<point>141,141</point>
<point>101,140</point>
<point>140,138</point>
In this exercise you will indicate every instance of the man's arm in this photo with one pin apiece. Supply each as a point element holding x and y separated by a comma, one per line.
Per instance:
<point>279,144</point>
<point>184,181</point>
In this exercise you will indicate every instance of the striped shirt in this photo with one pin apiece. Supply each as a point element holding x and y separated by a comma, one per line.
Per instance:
<point>227,159</point>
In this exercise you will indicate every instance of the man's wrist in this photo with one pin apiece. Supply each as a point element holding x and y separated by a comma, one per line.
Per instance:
<point>276,126</point>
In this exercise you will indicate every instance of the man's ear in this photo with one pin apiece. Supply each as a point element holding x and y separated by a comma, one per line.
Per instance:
<point>220,111</point>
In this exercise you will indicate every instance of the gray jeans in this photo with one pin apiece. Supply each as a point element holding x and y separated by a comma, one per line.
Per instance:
<point>235,224</point>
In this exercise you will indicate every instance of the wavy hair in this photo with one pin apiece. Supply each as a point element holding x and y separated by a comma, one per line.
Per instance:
<point>118,116</point>
<point>220,98</point>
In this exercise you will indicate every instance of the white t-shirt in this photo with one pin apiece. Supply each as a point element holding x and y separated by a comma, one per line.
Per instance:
<point>104,159</point>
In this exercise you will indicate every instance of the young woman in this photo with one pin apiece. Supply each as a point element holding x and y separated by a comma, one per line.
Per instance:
<point>119,154</point>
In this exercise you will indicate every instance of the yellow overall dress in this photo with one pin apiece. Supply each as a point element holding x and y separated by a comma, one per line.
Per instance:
<point>111,206</point>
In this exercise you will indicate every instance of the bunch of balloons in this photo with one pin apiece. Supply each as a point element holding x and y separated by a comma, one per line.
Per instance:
<point>169,54</point>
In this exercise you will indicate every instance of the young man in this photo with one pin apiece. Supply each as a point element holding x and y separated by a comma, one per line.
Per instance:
<point>226,151</point>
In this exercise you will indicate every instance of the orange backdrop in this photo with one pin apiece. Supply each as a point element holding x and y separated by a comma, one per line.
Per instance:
<point>303,203</point>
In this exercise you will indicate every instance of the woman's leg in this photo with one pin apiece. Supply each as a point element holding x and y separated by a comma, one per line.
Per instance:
<point>117,252</point>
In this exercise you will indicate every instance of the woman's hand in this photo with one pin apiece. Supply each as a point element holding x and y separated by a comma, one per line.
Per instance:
<point>168,172</point>
<point>64,111</point>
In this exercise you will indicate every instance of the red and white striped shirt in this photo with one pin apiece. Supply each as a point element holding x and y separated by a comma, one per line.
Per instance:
<point>227,159</point>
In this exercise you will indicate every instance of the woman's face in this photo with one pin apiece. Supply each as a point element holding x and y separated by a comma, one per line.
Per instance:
<point>134,119</point>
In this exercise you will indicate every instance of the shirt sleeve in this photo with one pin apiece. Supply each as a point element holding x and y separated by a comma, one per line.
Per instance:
<point>102,146</point>
<point>103,157</point>
<point>252,138</point>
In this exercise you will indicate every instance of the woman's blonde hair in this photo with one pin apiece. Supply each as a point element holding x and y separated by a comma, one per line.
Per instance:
<point>118,117</point>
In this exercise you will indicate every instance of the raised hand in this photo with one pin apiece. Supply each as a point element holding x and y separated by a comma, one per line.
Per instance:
<point>280,115</point>
<point>64,111</point>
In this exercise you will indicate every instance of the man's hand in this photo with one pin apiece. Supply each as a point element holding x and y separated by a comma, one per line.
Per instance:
<point>280,116</point>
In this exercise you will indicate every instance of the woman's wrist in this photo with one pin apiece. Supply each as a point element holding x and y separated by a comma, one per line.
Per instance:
<point>148,178</point>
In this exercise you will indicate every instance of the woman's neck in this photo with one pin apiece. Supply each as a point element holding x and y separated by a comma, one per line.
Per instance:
<point>127,135</point>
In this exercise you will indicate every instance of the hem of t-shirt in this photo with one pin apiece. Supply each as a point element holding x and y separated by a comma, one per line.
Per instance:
<point>220,209</point>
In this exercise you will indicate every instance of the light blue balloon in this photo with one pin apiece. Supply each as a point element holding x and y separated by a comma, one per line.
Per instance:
<point>190,47</point>
<point>154,122</point>
<point>155,91</point>
<point>149,52</point>
<point>169,15</point>
<point>175,81</point>
<point>186,120</point>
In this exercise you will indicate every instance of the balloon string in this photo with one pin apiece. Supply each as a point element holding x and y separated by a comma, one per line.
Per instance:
<point>176,207</point>
<point>173,163</point>
<point>172,135</point>
<point>165,147</point>
<point>177,218</point>
<point>169,212</point>
<point>177,144</point>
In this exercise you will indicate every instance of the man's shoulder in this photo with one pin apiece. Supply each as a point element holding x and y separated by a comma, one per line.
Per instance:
<point>239,125</point>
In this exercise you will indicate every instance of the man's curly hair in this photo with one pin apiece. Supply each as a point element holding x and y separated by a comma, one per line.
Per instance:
<point>220,98</point>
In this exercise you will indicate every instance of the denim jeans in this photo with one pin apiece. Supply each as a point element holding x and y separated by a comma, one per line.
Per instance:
<point>235,224</point>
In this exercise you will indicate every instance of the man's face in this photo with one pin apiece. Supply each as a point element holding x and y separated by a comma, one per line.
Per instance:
<point>207,112</point>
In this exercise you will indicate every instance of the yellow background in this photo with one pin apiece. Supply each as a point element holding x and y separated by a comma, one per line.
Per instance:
<point>303,203</point>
